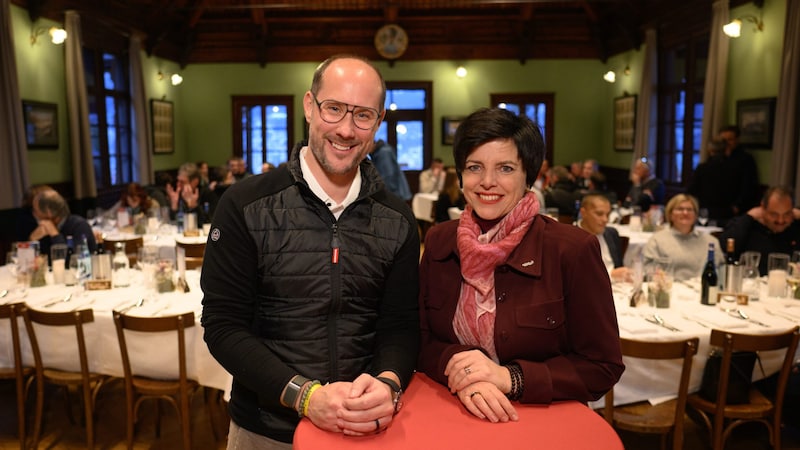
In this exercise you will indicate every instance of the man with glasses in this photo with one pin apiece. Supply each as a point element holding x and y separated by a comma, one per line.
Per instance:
<point>772,227</point>
<point>310,277</point>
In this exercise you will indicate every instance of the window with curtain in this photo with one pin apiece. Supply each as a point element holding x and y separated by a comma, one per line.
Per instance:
<point>682,68</point>
<point>537,107</point>
<point>109,98</point>
<point>406,126</point>
<point>262,129</point>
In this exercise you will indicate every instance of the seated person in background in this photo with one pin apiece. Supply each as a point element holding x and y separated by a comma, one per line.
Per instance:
<point>686,248</point>
<point>158,191</point>
<point>561,194</point>
<point>135,197</point>
<point>646,189</point>
<point>431,180</point>
<point>451,196</point>
<point>543,180</point>
<point>189,197</point>
<point>384,159</point>
<point>25,222</point>
<point>588,168</point>
<point>56,223</point>
<point>594,218</point>
<point>772,227</point>
<point>238,167</point>
<point>202,167</point>
<point>267,166</point>
<point>498,326</point>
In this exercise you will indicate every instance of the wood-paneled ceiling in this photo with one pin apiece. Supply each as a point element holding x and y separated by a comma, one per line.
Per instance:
<point>264,31</point>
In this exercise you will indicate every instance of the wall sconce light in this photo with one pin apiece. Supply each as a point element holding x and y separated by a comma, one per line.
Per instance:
<point>175,78</point>
<point>734,27</point>
<point>610,76</point>
<point>57,35</point>
<point>461,72</point>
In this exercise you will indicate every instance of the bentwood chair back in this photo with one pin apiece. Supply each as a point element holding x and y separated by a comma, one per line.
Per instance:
<point>624,241</point>
<point>131,247</point>
<point>721,418</point>
<point>176,392</point>
<point>88,383</point>
<point>194,253</point>
<point>665,418</point>
<point>22,375</point>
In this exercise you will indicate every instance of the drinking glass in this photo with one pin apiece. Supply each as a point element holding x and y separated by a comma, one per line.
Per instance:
<point>777,270</point>
<point>793,274</point>
<point>702,216</point>
<point>750,274</point>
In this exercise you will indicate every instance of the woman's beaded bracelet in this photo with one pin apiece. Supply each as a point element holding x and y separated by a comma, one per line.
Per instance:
<point>517,381</point>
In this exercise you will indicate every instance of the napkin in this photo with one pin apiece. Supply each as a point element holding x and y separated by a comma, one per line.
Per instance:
<point>720,319</point>
<point>636,325</point>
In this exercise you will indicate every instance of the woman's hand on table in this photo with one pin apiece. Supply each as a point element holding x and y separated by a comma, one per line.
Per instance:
<point>485,401</point>
<point>466,368</point>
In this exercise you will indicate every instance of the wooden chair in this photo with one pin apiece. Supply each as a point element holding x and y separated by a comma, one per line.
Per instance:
<point>176,391</point>
<point>194,253</point>
<point>624,241</point>
<point>88,383</point>
<point>132,247</point>
<point>664,418</point>
<point>22,375</point>
<point>721,418</point>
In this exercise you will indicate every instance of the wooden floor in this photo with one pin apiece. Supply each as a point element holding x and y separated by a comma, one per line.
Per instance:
<point>60,434</point>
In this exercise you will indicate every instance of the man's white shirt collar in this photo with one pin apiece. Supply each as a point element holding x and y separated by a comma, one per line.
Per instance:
<point>313,184</point>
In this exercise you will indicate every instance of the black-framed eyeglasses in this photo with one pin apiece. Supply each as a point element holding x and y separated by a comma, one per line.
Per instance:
<point>332,111</point>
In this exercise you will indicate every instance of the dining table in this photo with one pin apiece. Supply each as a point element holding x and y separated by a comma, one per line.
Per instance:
<point>431,418</point>
<point>686,317</point>
<point>153,354</point>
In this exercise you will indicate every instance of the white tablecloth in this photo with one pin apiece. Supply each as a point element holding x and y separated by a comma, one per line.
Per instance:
<point>156,354</point>
<point>422,205</point>
<point>658,380</point>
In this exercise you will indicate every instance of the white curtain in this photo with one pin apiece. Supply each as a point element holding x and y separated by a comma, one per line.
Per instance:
<point>13,156</point>
<point>716,77</point>
<point>646,114</point>
<point>141,144</point>
<point>78,106</point>
<point>786,143</point>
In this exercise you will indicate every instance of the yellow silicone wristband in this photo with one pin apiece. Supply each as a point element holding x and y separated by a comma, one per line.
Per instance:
<point>308,397</point>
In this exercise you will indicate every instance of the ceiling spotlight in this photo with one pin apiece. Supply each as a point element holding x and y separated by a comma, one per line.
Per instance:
<point>610,76</point>
<point>461,72</point>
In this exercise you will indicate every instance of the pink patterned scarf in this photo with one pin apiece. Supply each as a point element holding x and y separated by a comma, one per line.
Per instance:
<point>473,321</point>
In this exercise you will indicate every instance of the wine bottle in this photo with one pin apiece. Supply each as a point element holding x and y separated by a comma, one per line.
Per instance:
<point>732,273</point>
<point>709,280</point>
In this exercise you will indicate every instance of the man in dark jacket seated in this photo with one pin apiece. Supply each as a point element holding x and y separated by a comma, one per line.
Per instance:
<point>594,218</point>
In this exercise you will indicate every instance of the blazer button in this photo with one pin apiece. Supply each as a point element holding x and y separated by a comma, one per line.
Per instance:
<point>551,321</point>
<point>501,298</point>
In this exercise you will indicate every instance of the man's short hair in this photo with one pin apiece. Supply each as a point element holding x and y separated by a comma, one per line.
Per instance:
<point>779,191</point>
<point>589,199</point>
<point>51,203</point>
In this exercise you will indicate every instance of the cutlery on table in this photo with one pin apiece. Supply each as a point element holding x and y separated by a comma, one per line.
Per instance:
<point>135,305</point>
<point>690,319</point>
<point>782,316</point>
<point>66,298</point>
<point>3,293</point>
<point>744,316</point>
<point>658,320</point>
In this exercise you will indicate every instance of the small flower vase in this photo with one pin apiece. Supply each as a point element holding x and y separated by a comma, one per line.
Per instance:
<point>38,271</point>
<point>163,276</point>
<point>659,285</point>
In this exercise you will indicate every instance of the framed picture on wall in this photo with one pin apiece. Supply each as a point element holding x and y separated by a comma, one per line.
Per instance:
<point>449,126</point>
<point>163,126</point>
<point>41,124</point>
<point>624,122</point>
<point>756,121</point>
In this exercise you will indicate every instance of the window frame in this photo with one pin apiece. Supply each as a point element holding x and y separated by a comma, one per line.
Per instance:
<point>240,101</point>
<point>521,98</point>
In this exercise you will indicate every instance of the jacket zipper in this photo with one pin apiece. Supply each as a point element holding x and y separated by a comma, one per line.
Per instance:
<point>336,298</point>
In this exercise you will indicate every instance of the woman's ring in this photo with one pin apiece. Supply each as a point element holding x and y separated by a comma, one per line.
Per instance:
<point>467,370</point>
<point>377,425</point>
<point>475,393</point>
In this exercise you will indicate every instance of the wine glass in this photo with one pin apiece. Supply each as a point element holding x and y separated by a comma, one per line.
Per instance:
<point>793,274</point>
<point>702,216</point>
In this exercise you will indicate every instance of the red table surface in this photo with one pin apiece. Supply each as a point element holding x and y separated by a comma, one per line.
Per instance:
<point>431,418</point>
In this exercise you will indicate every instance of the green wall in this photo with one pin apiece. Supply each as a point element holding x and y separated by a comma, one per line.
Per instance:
<point>583,100</point>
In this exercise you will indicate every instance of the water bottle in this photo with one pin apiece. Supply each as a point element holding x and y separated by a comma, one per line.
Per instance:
<point>120,266</point>
<point>84,260</point>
